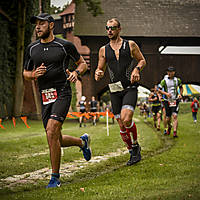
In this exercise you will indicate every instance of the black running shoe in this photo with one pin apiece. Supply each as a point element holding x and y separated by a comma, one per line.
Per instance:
<point>135,155</point>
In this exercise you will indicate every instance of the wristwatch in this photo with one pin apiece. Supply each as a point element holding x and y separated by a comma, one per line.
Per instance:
<point>78,72</point>
<point>138,68</point>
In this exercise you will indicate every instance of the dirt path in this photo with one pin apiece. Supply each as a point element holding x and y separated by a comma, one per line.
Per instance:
<point>67,169</point>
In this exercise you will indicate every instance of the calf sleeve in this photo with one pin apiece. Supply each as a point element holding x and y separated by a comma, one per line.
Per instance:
<point>127,139</point>
<point>132,128</point>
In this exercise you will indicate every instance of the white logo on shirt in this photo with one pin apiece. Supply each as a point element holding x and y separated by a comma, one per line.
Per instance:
<point>46,49</point>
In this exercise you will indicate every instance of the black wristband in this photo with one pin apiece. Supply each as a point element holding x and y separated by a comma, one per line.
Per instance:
<point>78,72</point>
<point>138,68</point>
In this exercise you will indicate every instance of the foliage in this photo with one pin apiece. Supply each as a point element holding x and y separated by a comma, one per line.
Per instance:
<point>93,6</point>
<point>106,97</point>
<point>55,9</point>
<point>8,43</point>
<point>7,56</point>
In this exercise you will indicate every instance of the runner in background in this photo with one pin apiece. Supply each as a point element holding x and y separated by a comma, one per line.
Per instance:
<point>82,104</point>
<point>195,106</point>
<point>169,88</point>
<point>155,100</point>
<point>93,109</point>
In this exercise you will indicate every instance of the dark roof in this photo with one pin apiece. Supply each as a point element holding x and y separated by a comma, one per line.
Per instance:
<point>148,18</point>
<point>69,10</point>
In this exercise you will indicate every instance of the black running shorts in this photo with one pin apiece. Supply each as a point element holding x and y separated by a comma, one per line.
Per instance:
<point>83,110</point>
<point>93,110</point>
<point>125,97</point>
<point>57,110</point>
<point>156,109</point>
<point>170,110</point>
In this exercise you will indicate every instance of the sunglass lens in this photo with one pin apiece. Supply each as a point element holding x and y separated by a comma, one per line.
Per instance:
<point>113,28</point>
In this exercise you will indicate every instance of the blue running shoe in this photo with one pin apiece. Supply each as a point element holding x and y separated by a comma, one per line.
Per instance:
<point>54,182</point>
<point>86,148</point>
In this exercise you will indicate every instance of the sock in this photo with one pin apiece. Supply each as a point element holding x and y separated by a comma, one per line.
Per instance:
<point>132,128</point>
<point>175,132</point>
<point>127,139</point>
<point>57,175</point>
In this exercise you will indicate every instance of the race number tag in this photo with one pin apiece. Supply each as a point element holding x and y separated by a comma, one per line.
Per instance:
<point>49,96</point>
<point>116,87</point>
<point>172,103</point>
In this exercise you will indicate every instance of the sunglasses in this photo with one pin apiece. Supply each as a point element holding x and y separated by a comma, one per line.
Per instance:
<point>112,28</point>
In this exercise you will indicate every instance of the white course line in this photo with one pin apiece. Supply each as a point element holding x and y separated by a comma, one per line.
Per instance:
<point>67,169</point>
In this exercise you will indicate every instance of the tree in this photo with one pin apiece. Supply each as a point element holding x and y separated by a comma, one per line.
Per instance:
<point>19,86</point>
<point>93,6</point>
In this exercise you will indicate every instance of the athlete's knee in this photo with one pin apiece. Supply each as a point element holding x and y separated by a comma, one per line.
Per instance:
<point>175,118</point>
<point>53,130</point>
<point>120,123</point>
<point>126,122</point>
<point>126,118</point>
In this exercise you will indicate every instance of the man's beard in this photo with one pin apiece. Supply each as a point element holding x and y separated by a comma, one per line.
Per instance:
<point>45,34</point>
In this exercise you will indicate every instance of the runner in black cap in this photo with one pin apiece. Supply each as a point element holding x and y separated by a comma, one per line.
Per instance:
<point>169,88</point>
<point>42,16</point>
<point>47,60</point>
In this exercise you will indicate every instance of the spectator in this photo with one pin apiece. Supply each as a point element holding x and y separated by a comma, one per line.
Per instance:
<point>195,106</point>
<point>82,104</point>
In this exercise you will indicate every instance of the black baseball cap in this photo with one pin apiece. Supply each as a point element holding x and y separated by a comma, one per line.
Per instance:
<point>42,16</point>
<point>171,69</point>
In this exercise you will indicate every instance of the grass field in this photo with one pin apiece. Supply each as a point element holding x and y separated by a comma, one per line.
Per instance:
<point>170,168</point>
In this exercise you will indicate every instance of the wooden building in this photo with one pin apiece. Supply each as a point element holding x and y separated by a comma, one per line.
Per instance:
<point>151,24</point>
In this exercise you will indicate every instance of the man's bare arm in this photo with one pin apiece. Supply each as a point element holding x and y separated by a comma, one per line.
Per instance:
<point>81,67</point>
<point>136,53</point>
<point>99,73</point>
<point>34,74</point>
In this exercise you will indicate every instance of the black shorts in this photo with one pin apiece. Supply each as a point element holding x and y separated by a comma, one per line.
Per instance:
<point>57,110</point>
<point>82,110</point>
<point>126,97</point>
<point>156,109</point>
<point>93,110</point>
<point>170,110</point>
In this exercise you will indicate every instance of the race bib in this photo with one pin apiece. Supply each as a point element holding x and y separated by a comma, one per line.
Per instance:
<point>116,87</point>
<point>172,103</point>
<point>49,96</point>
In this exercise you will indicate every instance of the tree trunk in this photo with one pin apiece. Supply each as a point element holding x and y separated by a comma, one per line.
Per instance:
<point>19,86</point>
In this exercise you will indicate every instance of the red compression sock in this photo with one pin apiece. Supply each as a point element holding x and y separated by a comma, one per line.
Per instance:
<point>132,128</point>
<point>127,139</point>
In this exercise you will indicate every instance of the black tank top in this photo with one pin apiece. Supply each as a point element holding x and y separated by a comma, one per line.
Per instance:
<point>82,105</point>
<point>120,70</point>
<point>93,104</point>
<point>157,102</point>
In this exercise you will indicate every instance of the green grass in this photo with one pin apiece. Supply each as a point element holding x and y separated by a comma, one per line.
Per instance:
<point>170,168</point>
